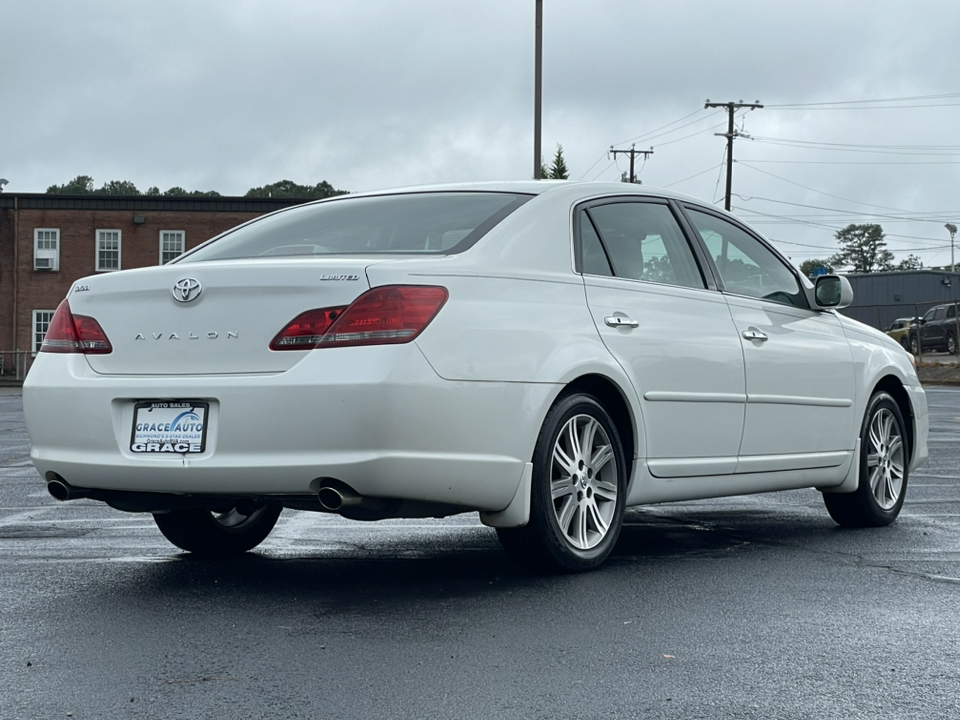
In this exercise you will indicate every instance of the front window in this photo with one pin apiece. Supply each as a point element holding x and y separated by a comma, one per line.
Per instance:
<point>171,245</point>
<point>108,249</point>
<point>746,265</point>
<point>415,223</point>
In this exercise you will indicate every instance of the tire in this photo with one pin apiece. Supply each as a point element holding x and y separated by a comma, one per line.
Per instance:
<point>884,460</point>
<point>905,343</point>
<point>577,493</point>
<point>951,344</point>
<point>914,345</point>
<point>216,533</point>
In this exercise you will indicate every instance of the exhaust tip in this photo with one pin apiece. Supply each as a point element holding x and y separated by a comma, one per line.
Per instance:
<point>59,489</point>
<point>330,498</point>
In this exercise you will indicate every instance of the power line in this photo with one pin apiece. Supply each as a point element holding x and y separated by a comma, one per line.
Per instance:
<point>632,152</point>
<point>866,102</point>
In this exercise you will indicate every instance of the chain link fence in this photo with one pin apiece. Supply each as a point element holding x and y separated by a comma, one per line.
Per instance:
<point>932,327</point>
<point>14,365</point>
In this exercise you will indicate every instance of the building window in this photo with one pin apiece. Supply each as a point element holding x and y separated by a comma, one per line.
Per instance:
<point>108,249</point>
<point>41,322</point>
<point>46,249</point>
<point>172,244</point>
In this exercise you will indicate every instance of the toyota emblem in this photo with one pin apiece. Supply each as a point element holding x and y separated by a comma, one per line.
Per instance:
<point>186,289</point>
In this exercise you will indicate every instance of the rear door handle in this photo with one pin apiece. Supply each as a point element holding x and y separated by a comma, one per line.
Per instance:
<point>754,335</point>
<point>619,321</point>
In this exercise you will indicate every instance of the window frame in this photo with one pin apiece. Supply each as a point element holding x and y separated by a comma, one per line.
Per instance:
<point>693,243</point>
<point>705,253</point>
<point>33,325</point>
<point>36,246</point>
<point>183,244</point>
<point>97,250</point>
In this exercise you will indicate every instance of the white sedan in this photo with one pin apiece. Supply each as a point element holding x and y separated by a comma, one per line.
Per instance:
<point>543,353</point>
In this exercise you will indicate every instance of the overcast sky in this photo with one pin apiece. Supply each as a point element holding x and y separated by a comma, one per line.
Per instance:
<point>861,120</point>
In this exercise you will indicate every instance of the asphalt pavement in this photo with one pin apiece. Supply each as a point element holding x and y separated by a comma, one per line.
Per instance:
<point>750,607</point>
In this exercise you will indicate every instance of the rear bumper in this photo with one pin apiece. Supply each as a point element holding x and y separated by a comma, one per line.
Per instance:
<point>376,418</point>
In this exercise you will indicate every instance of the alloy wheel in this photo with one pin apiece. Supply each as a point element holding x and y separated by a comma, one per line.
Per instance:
<point>885,462</point>
<point>583,482</point>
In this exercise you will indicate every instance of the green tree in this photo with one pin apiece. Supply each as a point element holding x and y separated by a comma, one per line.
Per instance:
<point>808,266</point>
<point>288,188</point>
<point>862,249</point>
<point>558,170</point>
<point>118,187</point>
<point>80,185</point>
<point>911,262</point>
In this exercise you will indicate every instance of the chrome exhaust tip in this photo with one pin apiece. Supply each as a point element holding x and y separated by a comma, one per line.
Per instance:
<point>61,490</point>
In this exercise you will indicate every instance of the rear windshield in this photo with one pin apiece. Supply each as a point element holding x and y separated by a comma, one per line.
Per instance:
<point>416,223</point>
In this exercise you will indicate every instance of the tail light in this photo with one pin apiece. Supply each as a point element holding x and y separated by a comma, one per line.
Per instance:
<point>69,333</point>
<point>387,315</point>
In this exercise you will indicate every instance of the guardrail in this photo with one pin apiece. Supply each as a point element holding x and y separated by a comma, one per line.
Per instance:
<point>14,365</point>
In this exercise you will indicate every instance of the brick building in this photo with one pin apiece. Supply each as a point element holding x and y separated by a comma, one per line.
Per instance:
<point>47,242</point>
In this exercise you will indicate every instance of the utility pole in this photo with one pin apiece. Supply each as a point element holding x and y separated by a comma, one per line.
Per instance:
<point>537,82</point>
<point>730,134</point>
<point>633,154</point>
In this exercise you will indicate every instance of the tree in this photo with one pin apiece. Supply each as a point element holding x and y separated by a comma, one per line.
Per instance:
<point>118,187</point>
<point>911,262</point>
<point>863,249</point>
<point>558,171</point>
<point>288,188</point>
<point>808,266</point>
<point>80,185</point>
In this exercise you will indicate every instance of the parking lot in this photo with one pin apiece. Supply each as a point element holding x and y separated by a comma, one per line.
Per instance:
<point>749,607</point>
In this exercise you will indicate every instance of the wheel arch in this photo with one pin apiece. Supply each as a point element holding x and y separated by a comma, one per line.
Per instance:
<point>609,394</point>
<point>891,384</point>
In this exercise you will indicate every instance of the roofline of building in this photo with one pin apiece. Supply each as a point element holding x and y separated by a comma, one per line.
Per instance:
<point>887,273</point>
<point>145,203</point>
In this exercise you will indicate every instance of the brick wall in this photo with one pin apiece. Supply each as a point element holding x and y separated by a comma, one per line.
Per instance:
<point>78,219</point>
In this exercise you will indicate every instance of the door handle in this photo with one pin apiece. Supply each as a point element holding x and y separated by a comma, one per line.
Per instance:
<point>754,335</point>
<point>618,321</point>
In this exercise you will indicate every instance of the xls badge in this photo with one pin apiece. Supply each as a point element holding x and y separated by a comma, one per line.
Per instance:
<point>186,289</point>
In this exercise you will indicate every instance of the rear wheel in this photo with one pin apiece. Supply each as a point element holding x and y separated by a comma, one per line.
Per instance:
<point>883,469</point>
<point>577,494</point>
<point>951,344</point>
<point>905,343</point>
<point>225,532</point>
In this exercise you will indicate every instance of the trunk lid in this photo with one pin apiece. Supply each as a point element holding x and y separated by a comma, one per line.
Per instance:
<point>224,319</point>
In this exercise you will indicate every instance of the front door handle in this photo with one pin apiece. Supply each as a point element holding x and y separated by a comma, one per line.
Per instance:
<point>754,335</point>
<point>619,321</point>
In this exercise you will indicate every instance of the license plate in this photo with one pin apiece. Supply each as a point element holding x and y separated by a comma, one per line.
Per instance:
<point>172,427</point>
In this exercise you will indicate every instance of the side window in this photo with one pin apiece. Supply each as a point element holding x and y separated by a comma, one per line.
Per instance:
<point>746,266</point>
<point>929,314</point>
<point>941,313</point>
<point>645,242</point>
<point>593,259</point>
<point>951,311</point>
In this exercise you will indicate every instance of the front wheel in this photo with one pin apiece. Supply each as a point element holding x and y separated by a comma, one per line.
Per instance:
<point>914,345</point>
<point>577,494</point>
<point>884,460</point>
<point>229,531</point>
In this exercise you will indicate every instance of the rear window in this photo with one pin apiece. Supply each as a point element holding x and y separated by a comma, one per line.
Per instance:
<point>416,223</point>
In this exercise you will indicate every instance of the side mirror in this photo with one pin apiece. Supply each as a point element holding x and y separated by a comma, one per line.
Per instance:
<point>832,291</point>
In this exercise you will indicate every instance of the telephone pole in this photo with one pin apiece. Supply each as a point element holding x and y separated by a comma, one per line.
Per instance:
<point>730,134</point>
<point>537,88</point>
<point>633,154</point>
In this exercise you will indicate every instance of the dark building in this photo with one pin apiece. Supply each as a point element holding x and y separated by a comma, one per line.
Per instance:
<point>47,242</point>
<point>881,298</point>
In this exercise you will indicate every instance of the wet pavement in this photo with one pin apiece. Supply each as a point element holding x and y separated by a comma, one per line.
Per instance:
<point>750,607</point>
